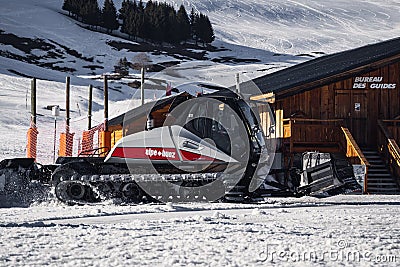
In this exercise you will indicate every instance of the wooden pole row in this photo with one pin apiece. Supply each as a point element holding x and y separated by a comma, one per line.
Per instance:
<point>68,102</point>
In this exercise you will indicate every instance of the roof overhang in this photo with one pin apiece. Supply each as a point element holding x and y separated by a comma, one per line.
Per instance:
<point>267,98</point>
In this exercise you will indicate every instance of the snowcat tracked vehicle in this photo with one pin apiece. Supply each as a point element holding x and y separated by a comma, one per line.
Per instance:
<point>191,148</point>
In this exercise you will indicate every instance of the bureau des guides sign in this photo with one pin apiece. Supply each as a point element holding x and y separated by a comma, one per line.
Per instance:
<point>372,83</point>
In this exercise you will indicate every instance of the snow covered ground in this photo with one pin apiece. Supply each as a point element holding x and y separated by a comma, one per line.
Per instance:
<point>337,231</point>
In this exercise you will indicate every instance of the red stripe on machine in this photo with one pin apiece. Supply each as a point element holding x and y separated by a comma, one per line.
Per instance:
<point>145,153</point>
<point>190,156</point>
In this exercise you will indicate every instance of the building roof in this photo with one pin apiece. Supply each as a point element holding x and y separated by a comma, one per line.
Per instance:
<point>147,108</point>
<point>327,69</point>
<point>172,100</point>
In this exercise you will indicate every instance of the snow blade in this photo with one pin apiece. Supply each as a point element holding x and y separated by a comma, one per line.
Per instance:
<point>16,188</point>
<point>330,178</point>
<point>25,163</point>
<point>319,179</point>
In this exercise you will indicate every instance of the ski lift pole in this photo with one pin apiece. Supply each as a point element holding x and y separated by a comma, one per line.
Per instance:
<point>31,146</point>
<point>142,86</point>
<point>33,101</point>
<point>90,107</point>
<point>67,102</point>
<point>55,111</point>
<point>105,103</point>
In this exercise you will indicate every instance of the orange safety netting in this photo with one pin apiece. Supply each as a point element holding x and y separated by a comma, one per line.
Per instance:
<point>91,141</point>
<point>66,143</point>
<point>31,146</point>
<point>56,139</point>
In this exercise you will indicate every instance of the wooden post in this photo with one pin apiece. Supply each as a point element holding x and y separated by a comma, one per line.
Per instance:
<point>90,107</point>
<point>291,135</point>
<point>33,101</point>
<point>67,138</point>
<point>67,101</point>
<point>366,180</point>
<point>31,146</point>
<point>105,136</point>
<point>142,86</point>
<point>105,103</point>
<point>279,123</point>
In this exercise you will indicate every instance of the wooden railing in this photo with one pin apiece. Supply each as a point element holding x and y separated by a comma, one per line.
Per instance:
<point>350,146</point>
<point>393,127</point>
<point>389,148</point>
<point>354,153</point>
<point>299,131</point>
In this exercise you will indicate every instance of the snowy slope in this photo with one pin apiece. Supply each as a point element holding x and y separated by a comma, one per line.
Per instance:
<point>249,29</point>
<point>302,26</point>
<point>39,33</point>
<point>299,26</point>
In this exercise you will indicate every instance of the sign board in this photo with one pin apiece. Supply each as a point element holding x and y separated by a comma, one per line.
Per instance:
<point>357,106</point>
<point>372,83</point>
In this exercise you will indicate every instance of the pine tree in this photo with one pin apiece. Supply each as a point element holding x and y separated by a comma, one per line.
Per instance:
<point>123,11</point>
<point>163,18</point>
<point>155,21</point>
<point>78,6</point>
<point>140,20</point>
<point>206,32</point>
<point>73,7</point>
<point>68,6</point>
<point>183,24</point>
<point>90,12</point>
<point>134,20</point>
<point>141,6</point>
<point>134,23</point>
<point>173,32</point>
<point>109,16</point>
<point>149,20</point>
<point>192,17</point>
<point>193,24</point>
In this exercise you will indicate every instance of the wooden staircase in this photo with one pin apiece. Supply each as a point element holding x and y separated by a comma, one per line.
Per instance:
<point>380,180</point>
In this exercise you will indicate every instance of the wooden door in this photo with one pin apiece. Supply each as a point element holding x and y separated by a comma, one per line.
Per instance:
<point>352,107</point>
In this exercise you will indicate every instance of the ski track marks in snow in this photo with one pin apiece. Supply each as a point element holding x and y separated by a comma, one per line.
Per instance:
<point>205,234</point>
<point>308,25</point>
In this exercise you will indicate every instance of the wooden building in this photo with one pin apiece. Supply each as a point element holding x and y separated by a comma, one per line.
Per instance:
<point>345,102</point>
